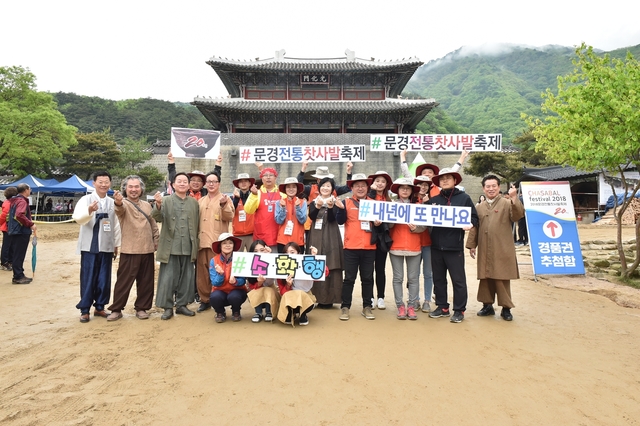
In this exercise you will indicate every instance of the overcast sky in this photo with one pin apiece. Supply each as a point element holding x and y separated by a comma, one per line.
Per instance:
<point>134,49</point>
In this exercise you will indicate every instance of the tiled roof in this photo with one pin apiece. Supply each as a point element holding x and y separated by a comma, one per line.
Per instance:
<point>382,106</point>
<point>314,65</point>
<point>555,173</point>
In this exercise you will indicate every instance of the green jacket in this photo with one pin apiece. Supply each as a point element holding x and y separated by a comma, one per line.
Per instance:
<point>166,215</point>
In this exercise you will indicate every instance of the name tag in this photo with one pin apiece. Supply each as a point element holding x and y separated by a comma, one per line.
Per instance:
<point>365,226</point>
<point>242,216</point>
<point>318,224</point>
<point>288,230</point>
<point>106,226</point>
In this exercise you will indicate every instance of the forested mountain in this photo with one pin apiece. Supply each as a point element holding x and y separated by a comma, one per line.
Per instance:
<point>478,91</point>
<point>485,92</point>
<point>133,118</point>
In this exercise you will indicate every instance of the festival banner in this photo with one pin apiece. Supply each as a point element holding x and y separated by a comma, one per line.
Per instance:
<point>439,143</point>
<point>279,265</point>
<point>417,214</point>
<point>552,228</point>
<point>296,154</point>
<point>195,143</point>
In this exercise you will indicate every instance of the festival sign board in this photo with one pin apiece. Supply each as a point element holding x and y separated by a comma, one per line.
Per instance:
<point>552,228</point>
<point>195,143</point>
<point>296,154</point>
<point>437,143</point>
<point>279,265</point>
<point>417,214</point>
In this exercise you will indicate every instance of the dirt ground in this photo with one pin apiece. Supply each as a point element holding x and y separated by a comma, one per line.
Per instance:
<point>569,357</point>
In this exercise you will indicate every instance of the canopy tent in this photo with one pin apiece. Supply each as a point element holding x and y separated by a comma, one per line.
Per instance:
<point>72,185</point>
<point>33,182</point>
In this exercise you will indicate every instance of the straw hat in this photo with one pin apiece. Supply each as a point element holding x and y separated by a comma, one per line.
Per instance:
<point>242,176</point>
<point>237,242</point>
<point>421,167</point>
<point>283,186</point>
<point>421,179</point>
<point>197,173</point>
<point>359,177</point>
<point>384,175</point>
<point>404,182</point>
<point>322,172</point>
<point>447,171</point>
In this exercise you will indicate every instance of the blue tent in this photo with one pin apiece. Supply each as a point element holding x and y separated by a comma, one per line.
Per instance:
<point>35,183</point>
<point>72,185</point>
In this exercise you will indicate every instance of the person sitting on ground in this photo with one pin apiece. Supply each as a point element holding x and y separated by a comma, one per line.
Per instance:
<point>263,295</point>
<point>297,300</point>
<point>226,289</point>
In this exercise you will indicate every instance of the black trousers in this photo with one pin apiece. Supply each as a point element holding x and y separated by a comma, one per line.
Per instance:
<point>453,262</point>
<point>19,245</point>
<point>355,260</point>
<point>381,275</point>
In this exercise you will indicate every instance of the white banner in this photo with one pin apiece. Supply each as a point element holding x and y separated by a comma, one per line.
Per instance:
<point>440,143</point>
<point>417,214</point>
<point>279,265</point>
<point>296,154</point>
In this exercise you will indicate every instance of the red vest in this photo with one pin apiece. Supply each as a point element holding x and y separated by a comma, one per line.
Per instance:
<point>355,238</point>
<point>297,235</point>
<point>265,227</point>
<point>242,228</point>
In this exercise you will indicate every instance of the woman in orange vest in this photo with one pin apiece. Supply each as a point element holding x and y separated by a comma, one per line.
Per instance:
<point>242,221</point>
<point>290,214</point>
<point>406,248</point>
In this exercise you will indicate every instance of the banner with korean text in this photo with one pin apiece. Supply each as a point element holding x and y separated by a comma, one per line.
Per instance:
<point>296,154</point>
<point>552,228</point>
<point>417,214</point>
<point>439,143</point>
<point>279,265</point>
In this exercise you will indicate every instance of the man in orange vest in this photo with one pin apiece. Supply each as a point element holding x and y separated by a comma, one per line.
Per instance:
<point>359,248</point>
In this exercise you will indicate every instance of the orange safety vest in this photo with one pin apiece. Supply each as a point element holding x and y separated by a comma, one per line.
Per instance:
<point>242,228</point>
<point>297,233</point>
<point>355,238</point>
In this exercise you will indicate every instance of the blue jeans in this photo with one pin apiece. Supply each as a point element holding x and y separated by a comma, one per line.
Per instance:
<point>265,306</point>
<point>427,273</point>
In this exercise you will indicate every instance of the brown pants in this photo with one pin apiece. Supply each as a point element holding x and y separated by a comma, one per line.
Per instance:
<point>138,268</point>
<point>488,288</point>
<point>203,282</point>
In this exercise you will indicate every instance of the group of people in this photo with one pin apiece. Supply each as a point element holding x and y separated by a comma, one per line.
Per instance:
<point>202,228</point>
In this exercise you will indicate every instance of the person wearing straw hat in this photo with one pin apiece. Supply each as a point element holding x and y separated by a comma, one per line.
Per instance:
<point>405,249</point>
<point>381,183</point>
<point>447,248</point>
<point>178,247</point>
<point>359,249</point>
<point>196,177</point>
<point>497,262</point>
<point>226,289</point>
<point>291,214</point>
<point>262,202</point>
<point>243,222</point>
<point>312,191</point>
<point>216,215</point>
<point>429,170</point>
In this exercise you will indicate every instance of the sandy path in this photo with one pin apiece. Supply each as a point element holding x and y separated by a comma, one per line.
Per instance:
<point>568,357</point>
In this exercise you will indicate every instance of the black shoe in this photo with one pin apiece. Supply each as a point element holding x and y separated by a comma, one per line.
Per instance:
<point>486,310</point>
<point>458,316</point>
<point>183,310</point>
<point>204,307</point>
<point>304,320</point>
<point>23,280</point>
<point>288,319</point>
<point>168,313</point>
<point>506,314</point>
<point>439,312</point>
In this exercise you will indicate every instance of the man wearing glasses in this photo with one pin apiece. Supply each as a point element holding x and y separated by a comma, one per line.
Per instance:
<point>216,214</point>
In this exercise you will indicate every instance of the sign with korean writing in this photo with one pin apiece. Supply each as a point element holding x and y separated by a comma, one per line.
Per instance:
<point>195,143</point>
<point>296,154</point>
<point>437,143</point>
<point>279,265</point>
<point>417,214</point>
<point>552,228</point>
<point>314,78</point>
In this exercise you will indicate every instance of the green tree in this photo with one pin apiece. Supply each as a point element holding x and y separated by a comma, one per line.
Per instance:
<point>95,151</point>
<point>133,154</point>
<point>593,123</point>
<point>33,133</point>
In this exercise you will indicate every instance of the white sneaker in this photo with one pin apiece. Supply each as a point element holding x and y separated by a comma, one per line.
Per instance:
<point>381,304</point>
<point>373,303</point>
